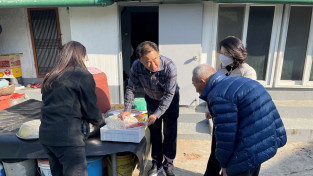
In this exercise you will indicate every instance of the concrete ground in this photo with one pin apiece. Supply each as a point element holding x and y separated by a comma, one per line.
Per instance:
<point>294,159</point>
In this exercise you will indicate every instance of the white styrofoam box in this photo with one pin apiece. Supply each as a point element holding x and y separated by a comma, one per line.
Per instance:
<point>122,135</point>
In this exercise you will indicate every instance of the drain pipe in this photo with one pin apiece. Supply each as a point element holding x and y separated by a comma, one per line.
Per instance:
<point>53,3</point>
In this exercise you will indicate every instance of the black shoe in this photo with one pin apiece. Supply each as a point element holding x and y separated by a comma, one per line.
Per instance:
<point>169,172</point>
<point>154,171</point>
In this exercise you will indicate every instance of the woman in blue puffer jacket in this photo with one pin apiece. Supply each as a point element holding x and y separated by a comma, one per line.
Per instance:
<point>248,127</point>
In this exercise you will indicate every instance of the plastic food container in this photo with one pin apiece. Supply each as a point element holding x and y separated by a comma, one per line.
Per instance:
<point>122,135</point>
<point>29,130</point>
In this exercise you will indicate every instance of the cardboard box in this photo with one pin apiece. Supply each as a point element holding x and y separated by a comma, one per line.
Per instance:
<point>10,72</point>
<point>10,61</point>
<point>122,135</point>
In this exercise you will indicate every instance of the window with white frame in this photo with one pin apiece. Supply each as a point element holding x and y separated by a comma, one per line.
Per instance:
<point>230,22</point>
<point>258,40</point>
<point>295,58</point>
<point>258,27</point>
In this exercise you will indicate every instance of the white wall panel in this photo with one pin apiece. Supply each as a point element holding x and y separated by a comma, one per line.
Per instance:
<point>15,38</point>
<point>65,28</point>
<point>97,28</point>
<point>180,38</point>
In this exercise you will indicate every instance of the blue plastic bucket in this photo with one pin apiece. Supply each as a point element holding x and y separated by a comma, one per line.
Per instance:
<point>94,166</point>
<point>1,170</point>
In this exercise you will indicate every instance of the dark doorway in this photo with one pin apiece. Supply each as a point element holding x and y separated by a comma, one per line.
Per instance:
<point>144,28</point>
<point>138,24</point>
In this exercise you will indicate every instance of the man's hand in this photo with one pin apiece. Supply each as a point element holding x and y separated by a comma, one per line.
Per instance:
<point>224,171</point>
<point>208,115</point>
<point>152,118</point>
<point>123,115</point>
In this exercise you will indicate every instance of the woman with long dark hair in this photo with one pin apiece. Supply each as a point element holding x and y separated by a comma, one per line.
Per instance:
<point>69,101</point>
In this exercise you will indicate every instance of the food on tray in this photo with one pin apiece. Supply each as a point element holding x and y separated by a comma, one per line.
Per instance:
<point>29,130</point>
<point>113,122</point>
<point>142,117</point>
<point>130,120</point>
<point>132,113</point>
<point>139,124</point>
<point>118,106</point>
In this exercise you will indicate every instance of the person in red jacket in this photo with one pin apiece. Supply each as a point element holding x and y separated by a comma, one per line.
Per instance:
<point>69,102</point>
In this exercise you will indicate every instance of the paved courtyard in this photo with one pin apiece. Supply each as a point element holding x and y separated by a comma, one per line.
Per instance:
<point>294,159</point>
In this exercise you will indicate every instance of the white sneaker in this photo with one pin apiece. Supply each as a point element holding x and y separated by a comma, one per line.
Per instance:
<point>154,171</point>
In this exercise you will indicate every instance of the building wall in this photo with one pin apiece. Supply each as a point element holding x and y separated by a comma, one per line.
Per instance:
<point>208,33</point>
<point>15,38</point>
<point>95,27</point>
<point>98,29</point>
<point>180,38</point>
<point>65,27</point>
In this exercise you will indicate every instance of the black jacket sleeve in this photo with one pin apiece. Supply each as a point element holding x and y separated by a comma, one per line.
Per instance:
<point>88,99</point>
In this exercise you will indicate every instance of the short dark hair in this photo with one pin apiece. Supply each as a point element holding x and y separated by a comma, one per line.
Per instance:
<point>235,48</point>
<point>146,47</point>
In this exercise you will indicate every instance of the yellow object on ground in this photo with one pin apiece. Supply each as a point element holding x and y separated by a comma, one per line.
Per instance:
<point>125,165</point>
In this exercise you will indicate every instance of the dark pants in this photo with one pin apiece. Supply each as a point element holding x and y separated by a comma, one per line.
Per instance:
<point>67,161</point>
<point>213,166</point>
<point>168,146</point>
<point>251,172</point>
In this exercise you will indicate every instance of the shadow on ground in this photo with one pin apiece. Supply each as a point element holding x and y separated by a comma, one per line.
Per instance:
<point>178,171</point>
<point>294,159</point>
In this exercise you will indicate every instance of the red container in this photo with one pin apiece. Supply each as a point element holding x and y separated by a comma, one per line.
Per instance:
<point>102,89</point>
<point>5,102</point>
<point>16,96</point>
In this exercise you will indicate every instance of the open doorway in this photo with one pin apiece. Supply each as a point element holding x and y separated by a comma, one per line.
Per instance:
<point>138,24</point>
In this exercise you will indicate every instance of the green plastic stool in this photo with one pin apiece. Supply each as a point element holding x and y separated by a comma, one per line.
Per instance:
<point>140,104</point>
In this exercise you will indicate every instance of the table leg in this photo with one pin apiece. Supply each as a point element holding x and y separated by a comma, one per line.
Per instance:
<point>114,164</point>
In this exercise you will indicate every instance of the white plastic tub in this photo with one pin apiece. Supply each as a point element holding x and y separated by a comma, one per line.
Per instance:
<point>44,166</point>
<point>122,135</point>
<point>94,166</point>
